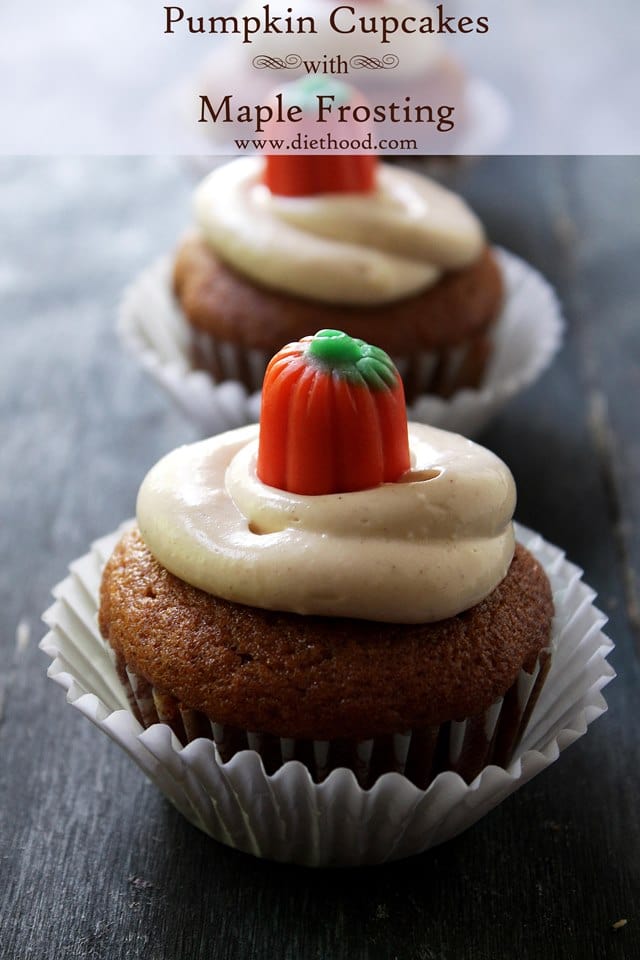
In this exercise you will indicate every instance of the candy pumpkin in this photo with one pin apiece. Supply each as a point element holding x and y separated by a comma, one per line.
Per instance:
<point>306,174</point>
<point>333,417</point>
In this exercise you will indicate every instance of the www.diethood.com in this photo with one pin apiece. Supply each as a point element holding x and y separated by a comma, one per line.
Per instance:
<point>327,144</point>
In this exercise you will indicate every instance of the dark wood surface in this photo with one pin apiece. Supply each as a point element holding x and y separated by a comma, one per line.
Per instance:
<point>93,861</point>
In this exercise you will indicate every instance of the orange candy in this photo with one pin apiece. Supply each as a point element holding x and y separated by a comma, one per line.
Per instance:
<point>290,174</point>
<point>305,176</point>
<point>333,417</point>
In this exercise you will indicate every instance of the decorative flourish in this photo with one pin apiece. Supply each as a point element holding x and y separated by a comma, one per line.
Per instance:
<point>265,62</point>
<point>363,62</point>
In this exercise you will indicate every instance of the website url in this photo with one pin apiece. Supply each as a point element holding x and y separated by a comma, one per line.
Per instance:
<point>326,144</point>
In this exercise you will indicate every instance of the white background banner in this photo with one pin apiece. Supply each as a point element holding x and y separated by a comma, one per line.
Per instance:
<point>492,76</point>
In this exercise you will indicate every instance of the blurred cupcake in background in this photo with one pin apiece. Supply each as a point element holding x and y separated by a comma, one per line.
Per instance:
<point>286,244</point>
<point>295,241</point>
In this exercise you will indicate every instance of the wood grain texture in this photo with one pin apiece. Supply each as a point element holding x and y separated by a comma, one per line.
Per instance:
<point>93,862</point>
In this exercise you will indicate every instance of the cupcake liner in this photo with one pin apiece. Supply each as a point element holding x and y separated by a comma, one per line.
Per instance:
<point>464,746</point>
<point>438,372</point>
<point>286,816</point>
<point>525,338</point>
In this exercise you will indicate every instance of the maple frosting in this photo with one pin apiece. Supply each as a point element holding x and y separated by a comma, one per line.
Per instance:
<point>420,550</point>
<point>349,248</point>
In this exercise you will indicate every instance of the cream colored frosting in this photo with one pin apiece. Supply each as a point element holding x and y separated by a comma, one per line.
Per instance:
<point>355,248</point>
<point>417,551</point>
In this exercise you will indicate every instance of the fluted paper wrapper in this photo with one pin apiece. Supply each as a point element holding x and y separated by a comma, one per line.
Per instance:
<point>525,339</point>
<point>286,816</point>
<point>464,745</point>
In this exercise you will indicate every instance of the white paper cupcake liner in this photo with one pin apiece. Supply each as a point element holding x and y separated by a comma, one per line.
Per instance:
<point>526,337</point>
<point>434,371</point>
<point>464,746</point>
<point>288,817</point>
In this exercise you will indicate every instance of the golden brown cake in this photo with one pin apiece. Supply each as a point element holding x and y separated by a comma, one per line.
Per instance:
<point>312,678</point>
<point>456,314</point>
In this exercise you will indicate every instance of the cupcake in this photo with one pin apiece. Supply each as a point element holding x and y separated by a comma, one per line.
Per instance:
<point>333,587</point>
<point>286,244</point>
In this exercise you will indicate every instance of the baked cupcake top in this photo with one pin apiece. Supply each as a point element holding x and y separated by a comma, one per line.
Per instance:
<point>369,234</point>
<point>335,508</point>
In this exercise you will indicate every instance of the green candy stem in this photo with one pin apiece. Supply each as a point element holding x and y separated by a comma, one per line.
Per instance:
<point>335,347</point>
<point>353,359</point>
<point>304,93</point>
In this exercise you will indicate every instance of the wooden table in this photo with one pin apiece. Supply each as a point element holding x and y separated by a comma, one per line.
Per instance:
<point>94,863</point>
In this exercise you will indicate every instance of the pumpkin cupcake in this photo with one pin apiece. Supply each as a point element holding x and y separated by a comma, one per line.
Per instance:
<point>285,243</point>
<point>334,587</point>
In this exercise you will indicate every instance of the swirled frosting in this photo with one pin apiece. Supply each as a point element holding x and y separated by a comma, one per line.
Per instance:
<point>416,551</point>
<point>354,248</point>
